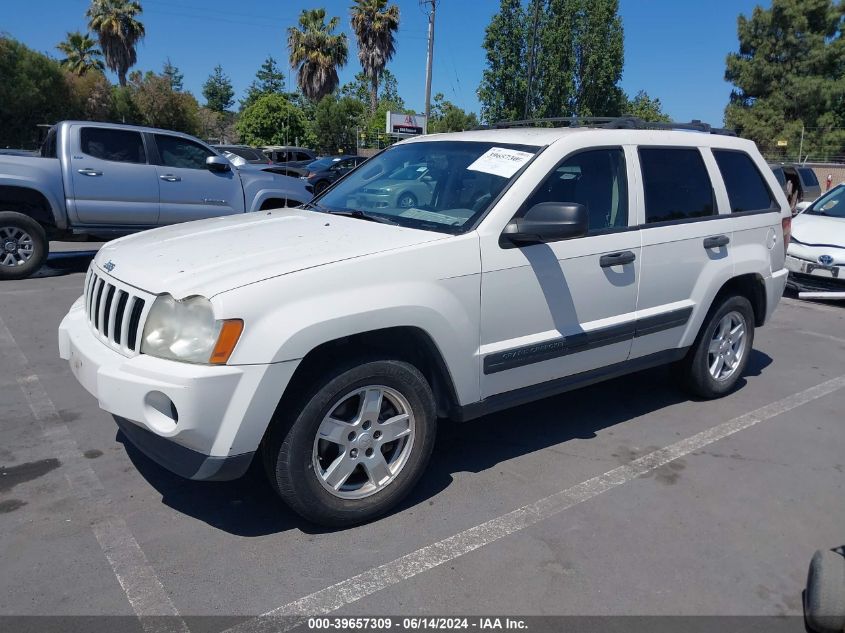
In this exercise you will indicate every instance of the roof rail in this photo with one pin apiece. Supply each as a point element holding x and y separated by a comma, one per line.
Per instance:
<point>625,122</point>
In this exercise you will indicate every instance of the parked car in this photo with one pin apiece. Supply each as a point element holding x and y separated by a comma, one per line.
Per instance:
<point>777,170</point>
<point>105,180</point>
<point>816,255</point>
<point>545,259</point>
<point>321,173</point>
<point>408,186</point>
<point>289,155</point>
<point>249,154</point>
<point>803,180</point>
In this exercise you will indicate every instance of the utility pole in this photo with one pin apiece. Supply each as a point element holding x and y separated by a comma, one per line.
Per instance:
<point>801,146</point>
<point>531,58</point>
<point>425,4</point>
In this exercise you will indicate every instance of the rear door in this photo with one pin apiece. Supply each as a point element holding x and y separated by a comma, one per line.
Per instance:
<point>687,244</point>
<point>188,190</point>
<point>113,183</point>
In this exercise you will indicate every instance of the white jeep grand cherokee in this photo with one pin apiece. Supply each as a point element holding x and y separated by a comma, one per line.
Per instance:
<point>327,341</point>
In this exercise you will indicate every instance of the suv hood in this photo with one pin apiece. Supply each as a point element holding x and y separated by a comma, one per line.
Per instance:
<point>211,256</point>
<point>819,229</point>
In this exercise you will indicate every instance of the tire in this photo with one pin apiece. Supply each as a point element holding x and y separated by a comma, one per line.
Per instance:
<point>697,367</point>
<point>320,187</point>
<point>23,245</point>
<point>406,200</point>
<point>301,466</point>
<point>824,599</point>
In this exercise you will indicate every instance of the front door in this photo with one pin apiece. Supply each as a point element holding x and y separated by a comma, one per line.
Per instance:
<point>112,180</point>
<point>553,310</point>
<point>188,190</point>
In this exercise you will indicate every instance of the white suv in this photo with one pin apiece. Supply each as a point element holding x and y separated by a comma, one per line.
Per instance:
<point>330,339</point>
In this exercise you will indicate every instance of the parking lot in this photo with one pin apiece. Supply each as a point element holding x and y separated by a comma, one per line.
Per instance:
<point>623,498</point>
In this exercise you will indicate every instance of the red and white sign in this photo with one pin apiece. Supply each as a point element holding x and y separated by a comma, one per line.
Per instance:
<point>406,124</point>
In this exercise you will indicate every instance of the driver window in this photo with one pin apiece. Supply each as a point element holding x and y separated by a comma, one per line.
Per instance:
<point>596,179</point>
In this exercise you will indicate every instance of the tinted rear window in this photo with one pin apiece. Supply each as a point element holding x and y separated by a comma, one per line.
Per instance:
<point>676,184</point>
<point>246,153</point>
<point>122,146</point>
<point>778,172</point>
<point>808,176</point>
<point>747,191</point>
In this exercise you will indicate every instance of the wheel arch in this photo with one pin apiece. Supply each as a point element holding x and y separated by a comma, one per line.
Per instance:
<point>752,287</point>
<point>29,202</point>
<point>408,343</point>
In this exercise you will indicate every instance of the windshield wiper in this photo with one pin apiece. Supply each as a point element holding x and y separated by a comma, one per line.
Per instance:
<point>361,215</point>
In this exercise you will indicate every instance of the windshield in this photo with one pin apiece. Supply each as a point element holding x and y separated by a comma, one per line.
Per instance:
<point>246,152</point>
<point>458,182</point>
<point>323,163</point>
<point>832,204</point>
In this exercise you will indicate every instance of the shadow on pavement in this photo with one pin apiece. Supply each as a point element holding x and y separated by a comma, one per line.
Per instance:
<point>249,507</point>
<point>65,263</point>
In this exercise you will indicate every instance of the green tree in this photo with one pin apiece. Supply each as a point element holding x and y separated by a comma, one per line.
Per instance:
<point>271,120</point>
<point>218,91</point>
<point>447,117</point>
<point>359,89</point>
<point>123,108</point>
<point>316,52</point>
<point>789,78</point>
<point>91,96</point>
<point>580,60</point>
<point>173,75</point>
<point>335,124</point>
<point>268,80</point>
<point>375,25</point>
<point>114,21</point>
<point>502,89</point>
<point>644,107</point>
<point>33,90</point>
<point>81,53</point>
<point>161,106</point>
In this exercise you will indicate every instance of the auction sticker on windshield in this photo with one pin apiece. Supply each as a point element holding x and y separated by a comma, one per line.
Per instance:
<point>500,161</point>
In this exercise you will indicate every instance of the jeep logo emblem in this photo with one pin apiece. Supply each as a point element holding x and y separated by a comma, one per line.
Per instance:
<point>825,260</point>
<point>109,266</point>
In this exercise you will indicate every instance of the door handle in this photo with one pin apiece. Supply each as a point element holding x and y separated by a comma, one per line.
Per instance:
<point>170,178</point>
<point>617,259</point>
<point>89,172</point>
<point>716,241</point>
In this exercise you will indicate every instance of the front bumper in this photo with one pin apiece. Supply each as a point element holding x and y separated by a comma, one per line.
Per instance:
<point>808,276</point>
<point>199,421</point>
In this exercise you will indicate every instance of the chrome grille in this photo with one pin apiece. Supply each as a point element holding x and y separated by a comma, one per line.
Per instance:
<point>116,312</point>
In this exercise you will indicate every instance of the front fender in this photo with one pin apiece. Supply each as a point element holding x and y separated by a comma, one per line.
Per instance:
<point>258,191</point>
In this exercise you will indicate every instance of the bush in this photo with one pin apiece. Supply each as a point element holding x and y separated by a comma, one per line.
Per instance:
<point>271,120</point>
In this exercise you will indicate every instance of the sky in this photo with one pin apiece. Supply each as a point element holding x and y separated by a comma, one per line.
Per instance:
<point>674,49</point>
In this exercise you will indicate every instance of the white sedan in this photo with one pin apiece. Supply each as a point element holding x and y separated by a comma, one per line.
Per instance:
<point>816,254</point>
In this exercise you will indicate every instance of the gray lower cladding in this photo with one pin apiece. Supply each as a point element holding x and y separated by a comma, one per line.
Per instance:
<point>181,460</point>
<point>583,341</point>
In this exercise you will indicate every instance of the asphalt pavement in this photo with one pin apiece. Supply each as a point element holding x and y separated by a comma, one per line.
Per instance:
<point>625,498</point>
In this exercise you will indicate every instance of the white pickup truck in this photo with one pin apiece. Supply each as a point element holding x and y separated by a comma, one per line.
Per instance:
<point>543,259</point>
<point>106,180</point>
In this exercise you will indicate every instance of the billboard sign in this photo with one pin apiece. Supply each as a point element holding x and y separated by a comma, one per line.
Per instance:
<point>405,124</point>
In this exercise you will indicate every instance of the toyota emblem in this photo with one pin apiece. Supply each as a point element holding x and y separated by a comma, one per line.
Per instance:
<point>825,260</point>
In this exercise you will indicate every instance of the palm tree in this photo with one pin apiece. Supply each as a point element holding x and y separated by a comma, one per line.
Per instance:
<point>375,24</point>
<point>318,53</point>
<point>119,32</point>
<point>81,53</point>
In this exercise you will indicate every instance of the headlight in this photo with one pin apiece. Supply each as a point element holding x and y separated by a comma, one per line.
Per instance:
<point>187,331</point>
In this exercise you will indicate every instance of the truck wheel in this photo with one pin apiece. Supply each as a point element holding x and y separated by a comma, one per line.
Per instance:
<point>23,245</point>
<point>824,599</point>
<point>357,446</point>
<point>720,352</point>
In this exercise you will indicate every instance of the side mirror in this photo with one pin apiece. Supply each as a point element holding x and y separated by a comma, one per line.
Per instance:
<point>546,222</point>
<point>217,163</point>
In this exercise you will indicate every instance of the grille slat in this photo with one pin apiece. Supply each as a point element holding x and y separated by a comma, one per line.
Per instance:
<point>115,312</point>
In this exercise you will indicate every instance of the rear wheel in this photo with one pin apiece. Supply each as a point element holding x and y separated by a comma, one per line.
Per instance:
<point>357,446</point>
<point>320,187</point>
<point>721,350</point>
<point>23,245</point>
<point>407,200</point>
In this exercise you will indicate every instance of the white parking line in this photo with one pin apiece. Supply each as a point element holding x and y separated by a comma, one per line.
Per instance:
<point>828,337</point>
<point>136,576</point>
<point>364,584</point>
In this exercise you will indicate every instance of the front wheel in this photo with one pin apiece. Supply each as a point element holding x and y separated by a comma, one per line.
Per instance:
<point>721,350</point>
<point>357,446</point>
<point>23,245</point>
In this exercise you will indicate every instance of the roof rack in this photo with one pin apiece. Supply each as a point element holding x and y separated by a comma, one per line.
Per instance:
<point>625,122</point>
